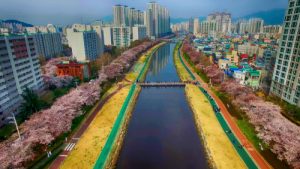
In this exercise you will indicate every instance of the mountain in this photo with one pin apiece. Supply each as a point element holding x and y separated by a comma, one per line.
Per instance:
<point>14,22</point>
<point>179,20</point>
<point>107,19</point>
<point>271,17</point>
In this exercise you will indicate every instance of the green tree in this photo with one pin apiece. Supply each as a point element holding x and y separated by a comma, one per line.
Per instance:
<point>31,103</point>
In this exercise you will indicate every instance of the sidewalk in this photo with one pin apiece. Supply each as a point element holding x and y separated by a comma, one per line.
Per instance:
<point>72,142</point>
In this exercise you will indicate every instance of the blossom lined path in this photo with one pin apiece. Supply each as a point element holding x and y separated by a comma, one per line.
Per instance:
<point>259,160</point>
<point>58,161</point>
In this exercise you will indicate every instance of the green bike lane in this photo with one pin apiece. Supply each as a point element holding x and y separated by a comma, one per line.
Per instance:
<point>248,160</point>
<point>112,138</point>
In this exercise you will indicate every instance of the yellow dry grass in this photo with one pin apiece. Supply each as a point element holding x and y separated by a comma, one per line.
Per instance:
<point>87,150</point>
<point>221,150</point>
<point>89,147</point>
<point>182,72</point>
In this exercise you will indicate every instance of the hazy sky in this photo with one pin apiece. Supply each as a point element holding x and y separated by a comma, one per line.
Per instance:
<point>71,11</point>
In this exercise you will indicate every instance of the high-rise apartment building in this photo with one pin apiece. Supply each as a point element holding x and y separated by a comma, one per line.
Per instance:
<point>196,26</point>
<point>223,21</point>
<point>19,68</point>
<point>121,36</point>
<point>208,27</point>
<point>48,40</point>
<point>286,75</point>
<point>107,35</point>
<point>139,32</point>
<point>191,25</point>
<point>256,25</point>
<point>273,29</point>
<point>157,20</point>
<point>125,16</point>
<point>85,44</point>
<point>86,41</point>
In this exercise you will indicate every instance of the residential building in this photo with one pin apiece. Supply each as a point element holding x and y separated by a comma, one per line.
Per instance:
<point>273,29</point>
<point>19,68</point>
<point>208,27</point>
<point>85,44</point>
<point>223,21</point>
<point>75,69</point>
<point>157,20</point>
<point>48,41</point>
<point>139,32</point>
<point>286,76</point>
<point>233,57</point>
<point>191,25</point>
<point>196,26</point>
<point>256,25</point>
<point>121,36</point>
<point>125,16</point>
<point>107,36</point>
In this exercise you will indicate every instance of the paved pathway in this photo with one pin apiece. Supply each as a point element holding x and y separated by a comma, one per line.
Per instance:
<point>255,155</point>
<point>72,142</point>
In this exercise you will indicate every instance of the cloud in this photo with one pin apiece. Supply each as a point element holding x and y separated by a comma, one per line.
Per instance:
<point>70,11</point>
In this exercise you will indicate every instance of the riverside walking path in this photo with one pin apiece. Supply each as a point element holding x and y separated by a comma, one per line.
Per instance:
<point>71,143</point>
<point>254,154</point>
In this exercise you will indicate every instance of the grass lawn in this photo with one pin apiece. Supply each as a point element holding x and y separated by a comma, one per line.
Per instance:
<point>221,150</point>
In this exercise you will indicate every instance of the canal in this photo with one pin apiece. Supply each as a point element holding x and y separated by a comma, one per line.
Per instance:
<point>161,133</point>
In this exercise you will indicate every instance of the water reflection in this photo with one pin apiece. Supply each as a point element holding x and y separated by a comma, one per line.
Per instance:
<point>161,133</point>
<point>162,67</point>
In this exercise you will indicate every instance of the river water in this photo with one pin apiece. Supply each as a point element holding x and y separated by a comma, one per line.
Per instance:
<point>161,133</point>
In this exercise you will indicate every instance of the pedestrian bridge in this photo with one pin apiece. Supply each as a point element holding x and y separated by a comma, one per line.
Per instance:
<point>165,84</point>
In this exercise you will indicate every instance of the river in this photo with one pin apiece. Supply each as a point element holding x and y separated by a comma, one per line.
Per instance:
<point>161,133</point>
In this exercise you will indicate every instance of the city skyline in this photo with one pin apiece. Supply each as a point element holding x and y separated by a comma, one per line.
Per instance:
<point>84,12</point>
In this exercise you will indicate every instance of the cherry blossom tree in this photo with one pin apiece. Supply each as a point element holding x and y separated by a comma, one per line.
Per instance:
<point>43,127</point>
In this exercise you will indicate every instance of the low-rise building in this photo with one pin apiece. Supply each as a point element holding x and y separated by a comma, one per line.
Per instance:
<point>75,69</point>
<point>233,57</point>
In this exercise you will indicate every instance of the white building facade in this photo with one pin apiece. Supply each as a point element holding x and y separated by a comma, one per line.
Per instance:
<point>19,69</point>
<point>286,75</point>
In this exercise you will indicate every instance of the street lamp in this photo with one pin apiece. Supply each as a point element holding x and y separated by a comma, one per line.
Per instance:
<point>13,117</point>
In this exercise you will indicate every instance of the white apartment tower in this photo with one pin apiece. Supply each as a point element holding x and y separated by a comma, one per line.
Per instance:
<point>256,25</point>
<point>223,21</point>
<point>196,26</point>
<point>286,75</point>
<point>85,44</point>
<point>121,36</point>
<point>157,20</point>
<point>19,68</point>
<point>139,32</point>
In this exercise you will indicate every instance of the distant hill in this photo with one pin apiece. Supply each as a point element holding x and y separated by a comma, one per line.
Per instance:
<point>14,22</point>
<point>271,17</point>
<point>107,19</point>
<point>179,20</point>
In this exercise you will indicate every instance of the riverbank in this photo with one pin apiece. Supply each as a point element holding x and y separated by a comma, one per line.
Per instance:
<point>181,71</point>
<point>242,145</point>
<point>89,146</point>
<point>218,147</point>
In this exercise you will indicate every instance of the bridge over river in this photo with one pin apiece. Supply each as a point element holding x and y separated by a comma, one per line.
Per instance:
<point>161,132</point>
